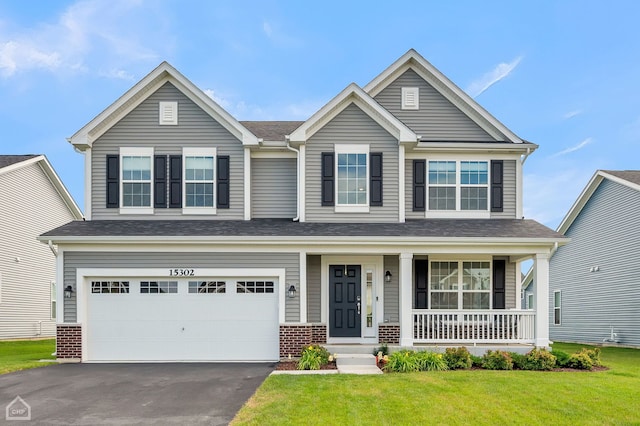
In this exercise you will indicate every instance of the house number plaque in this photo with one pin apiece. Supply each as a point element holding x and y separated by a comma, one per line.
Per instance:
<point>181,272</point>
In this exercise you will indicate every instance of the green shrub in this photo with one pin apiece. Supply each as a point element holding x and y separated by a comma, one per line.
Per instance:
<point>313,357</point>
<point>403,361</point>
<point>430,361</point>
<point>458,358</point>
<point>539,359</point>
<point>594,354</point>
<point>476,361</point>
<point>497,360</point>
<point>383,350</point>
<point>581,361</point>
<point>519,360</point>
<point>562,358</point>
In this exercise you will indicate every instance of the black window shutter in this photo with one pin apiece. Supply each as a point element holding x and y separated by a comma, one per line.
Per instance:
<point>160,182</point>
<point>113,181</point>
<point>499,282</point>
<point>375,179</point>
<point>175,181</point>
<point>223,182</point>
<point>422,289</point>
<point>497,185</point>
<point>419,185</point>
<point>328,180</point>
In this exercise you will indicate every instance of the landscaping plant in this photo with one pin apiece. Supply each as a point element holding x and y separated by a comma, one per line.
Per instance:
<point>497,360</point>
<point>313,357</point>
<point>458,358</point>
<point>430,361</point>
<point>403,361</point>
<point>562,357</point>
<point>539,359</point>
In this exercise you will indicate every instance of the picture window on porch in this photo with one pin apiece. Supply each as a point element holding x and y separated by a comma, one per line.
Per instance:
<point>451,290</point>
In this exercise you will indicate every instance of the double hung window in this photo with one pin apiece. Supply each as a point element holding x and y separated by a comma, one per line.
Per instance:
<point>458,185</point>
<point>352,173</point>
<point>199,180</point>
<point>136,179</point>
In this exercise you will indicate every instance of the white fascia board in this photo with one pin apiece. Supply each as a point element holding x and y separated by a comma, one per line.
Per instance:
<point>353,94</point>
<point>141,91</point>
<point>520,149</point>
<point>446,87</point>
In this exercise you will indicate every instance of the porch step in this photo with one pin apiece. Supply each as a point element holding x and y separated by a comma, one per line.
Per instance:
<point>355,360</point>
<point>350,349</point>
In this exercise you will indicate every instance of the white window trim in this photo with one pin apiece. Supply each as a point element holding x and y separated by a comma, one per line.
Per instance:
<point>460,291</point>
<point>161,107</point>
<point>559,308</point>
<point>530,300</point>
<point>416,92</point>
<point>351,149</point>
<point>196,152</point>
<point>142,152</point>
<point>458,213</point>
<point>54,299</point>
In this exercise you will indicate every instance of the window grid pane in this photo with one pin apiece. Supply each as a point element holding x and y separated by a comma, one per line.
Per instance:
<point>207,287</point>
<point>251,287</point>
<point>442,172</point>
<point>199,181</point>
<point>158,287</point>
<point>442,198</point>
<point>474,172</point>
<point>352,179</point>
<point>136,181</point>
<point>114,287</point>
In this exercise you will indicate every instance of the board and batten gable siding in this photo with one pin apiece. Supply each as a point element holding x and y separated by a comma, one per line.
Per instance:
<point>508,196</point>
<point>140,128</point>
<point>391,290</point>
<point>30,206</point>
<point>314,288</point>
<point>273,188</point>
<point>437,119</point>
<point>352,126</point>
<point>605,234</point>
<point>135,260</point>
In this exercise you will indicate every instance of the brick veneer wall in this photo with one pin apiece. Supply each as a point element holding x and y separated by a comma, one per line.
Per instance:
<point>389,333</point>
<point>69,341</point>
<point>296,336</point>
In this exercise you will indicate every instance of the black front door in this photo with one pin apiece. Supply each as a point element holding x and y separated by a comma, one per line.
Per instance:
<point>344,301</point>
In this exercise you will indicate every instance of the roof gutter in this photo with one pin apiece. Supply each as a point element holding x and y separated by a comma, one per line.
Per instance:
<point>524,158</point>
<point>297,151</point>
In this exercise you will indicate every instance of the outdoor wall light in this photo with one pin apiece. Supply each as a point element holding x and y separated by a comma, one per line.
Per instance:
<point>68,291</point>
<point>387,276</point>
<point>292,291</point>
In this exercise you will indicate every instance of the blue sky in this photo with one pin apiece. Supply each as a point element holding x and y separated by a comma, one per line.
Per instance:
<point>562,74</point>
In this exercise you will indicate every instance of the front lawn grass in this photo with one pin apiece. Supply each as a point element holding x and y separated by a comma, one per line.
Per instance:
<point>23,354</point>
<point>455,397</point>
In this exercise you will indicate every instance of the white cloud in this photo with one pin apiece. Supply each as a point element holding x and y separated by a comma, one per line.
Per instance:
<point>500,72</point>
<point>572,114</point>
<point>267,29</point>
<point>92,35</point>
<point>574,148</point>
<point>224,103</point>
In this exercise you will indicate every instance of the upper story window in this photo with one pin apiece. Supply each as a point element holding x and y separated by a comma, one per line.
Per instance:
<point>136,177</point>
<point>458,186</point>
<point>352,173</point>
<point>199,180</point>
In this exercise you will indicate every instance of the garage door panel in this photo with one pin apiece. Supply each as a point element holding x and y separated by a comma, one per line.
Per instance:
<point>183,326</point>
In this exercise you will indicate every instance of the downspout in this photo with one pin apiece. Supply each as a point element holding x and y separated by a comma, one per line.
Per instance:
<point>297,151</point>
<point>53,249</point>
<point>526,156</point>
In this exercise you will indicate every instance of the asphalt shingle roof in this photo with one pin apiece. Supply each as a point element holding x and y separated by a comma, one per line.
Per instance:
<point>632,176</point>
<point>271,130</point>
<point>427,228</point>
<point>7,160</point>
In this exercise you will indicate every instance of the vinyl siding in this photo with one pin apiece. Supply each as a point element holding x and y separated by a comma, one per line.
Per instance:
<point>273,188</point>
<point>140,128</point>
<point>508,197</point>
<point>512,300</point>
<point>352,126</point>
<point>30,206</point>
<point>74,260</point>
<point>605,234</point>
<point>437,119</point>
<point>392,290</point>
<point>314,288</point>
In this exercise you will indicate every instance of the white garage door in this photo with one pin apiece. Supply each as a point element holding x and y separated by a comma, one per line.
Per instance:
<point>183,320</point>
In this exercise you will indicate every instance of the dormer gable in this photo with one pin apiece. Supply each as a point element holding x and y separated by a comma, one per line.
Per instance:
<point>162,74</point>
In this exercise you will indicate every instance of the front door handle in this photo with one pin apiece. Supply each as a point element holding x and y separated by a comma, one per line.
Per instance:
<point>358,306</point>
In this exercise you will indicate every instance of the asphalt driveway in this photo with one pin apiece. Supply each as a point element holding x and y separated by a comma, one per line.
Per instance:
<point>122,394</point>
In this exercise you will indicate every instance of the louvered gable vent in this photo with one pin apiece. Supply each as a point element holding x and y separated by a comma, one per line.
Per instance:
<point>168,113</point>
<point>410,98</point>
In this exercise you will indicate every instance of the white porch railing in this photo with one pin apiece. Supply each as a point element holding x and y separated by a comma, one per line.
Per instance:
<point>474,326</point>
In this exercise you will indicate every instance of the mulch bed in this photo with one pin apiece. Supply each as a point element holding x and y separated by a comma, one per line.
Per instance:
<point>293,365</point>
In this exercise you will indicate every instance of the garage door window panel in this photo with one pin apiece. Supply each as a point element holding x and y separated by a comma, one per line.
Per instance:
<point>158,287</point>
<point>253,287</point>
<point>207,287</point>
<point>109,287</point>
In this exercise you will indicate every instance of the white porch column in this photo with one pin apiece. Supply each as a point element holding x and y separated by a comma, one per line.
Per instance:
<point>406,316</point>
<point>541,277</point>
<point>302,288</point>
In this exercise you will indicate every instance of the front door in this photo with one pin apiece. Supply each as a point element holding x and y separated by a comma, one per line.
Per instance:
<point>344,301</point>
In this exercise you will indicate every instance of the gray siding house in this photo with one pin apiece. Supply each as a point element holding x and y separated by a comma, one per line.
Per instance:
<point>34,200</point>
<point>393,214</point>
<point>594,282</point>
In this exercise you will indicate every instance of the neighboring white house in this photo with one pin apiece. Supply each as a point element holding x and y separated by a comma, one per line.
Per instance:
<point>594,282</point>
<point>33,201</point>
<point>393,215</point>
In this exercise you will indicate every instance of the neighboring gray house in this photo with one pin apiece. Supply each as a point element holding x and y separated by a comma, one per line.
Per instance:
<point>594,282</point>
<point>33,201</point>
<point>393,214</point>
